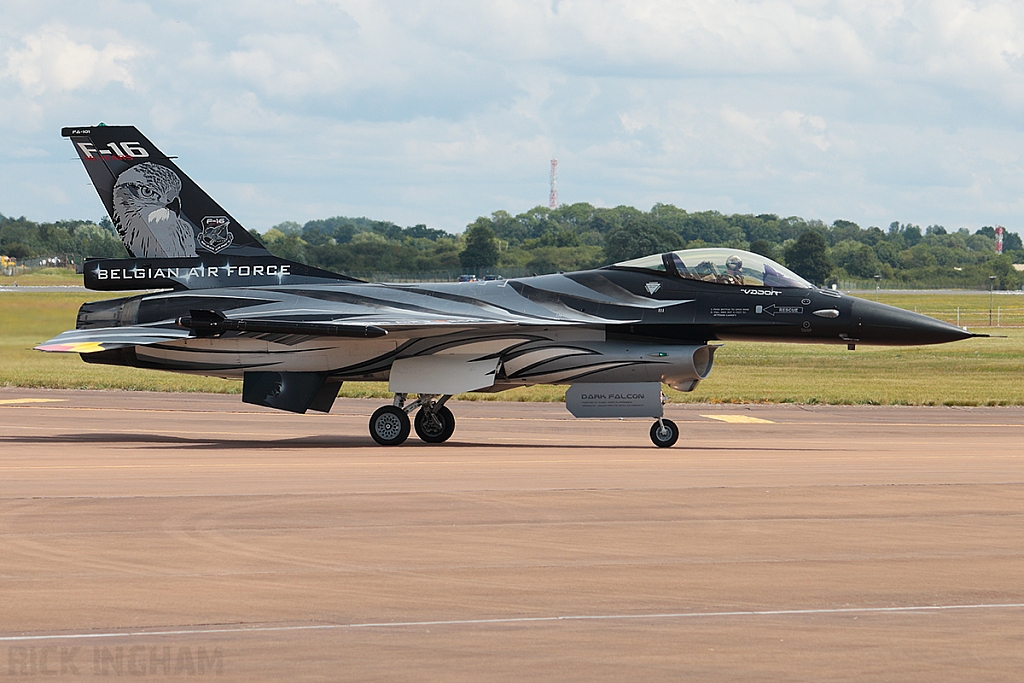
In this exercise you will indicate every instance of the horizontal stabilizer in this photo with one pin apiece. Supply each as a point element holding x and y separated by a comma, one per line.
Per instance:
<point>107,338</point>
<point>213,323</point>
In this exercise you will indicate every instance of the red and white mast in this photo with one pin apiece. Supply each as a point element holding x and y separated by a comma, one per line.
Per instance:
<point>553,197</point>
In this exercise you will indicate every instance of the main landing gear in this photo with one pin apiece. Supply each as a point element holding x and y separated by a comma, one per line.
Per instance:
<point>664,433</point>
<point>434,423</point>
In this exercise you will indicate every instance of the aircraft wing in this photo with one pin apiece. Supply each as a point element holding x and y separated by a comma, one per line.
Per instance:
<point>209,324</point>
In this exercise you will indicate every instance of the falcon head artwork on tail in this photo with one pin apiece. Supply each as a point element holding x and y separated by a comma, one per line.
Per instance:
<point>147,213</point>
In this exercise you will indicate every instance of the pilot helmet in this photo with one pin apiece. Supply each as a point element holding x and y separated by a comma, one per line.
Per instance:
<point>733,262</point>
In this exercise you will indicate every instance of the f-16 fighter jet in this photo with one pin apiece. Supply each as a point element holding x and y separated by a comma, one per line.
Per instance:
<point>293,334</point>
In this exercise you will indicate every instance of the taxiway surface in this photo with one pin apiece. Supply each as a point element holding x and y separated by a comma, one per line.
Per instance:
<point>181,536</point>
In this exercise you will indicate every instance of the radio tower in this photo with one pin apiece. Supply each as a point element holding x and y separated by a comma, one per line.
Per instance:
<point>553,197</point>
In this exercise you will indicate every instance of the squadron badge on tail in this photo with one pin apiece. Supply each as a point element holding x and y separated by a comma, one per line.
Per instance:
<point>216,236</point>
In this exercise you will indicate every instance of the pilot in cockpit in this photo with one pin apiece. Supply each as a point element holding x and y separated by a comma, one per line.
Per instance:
<point>733,271</point>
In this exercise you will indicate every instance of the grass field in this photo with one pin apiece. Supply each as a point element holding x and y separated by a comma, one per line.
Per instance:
<point>972,372</point>
<point>51,277</point>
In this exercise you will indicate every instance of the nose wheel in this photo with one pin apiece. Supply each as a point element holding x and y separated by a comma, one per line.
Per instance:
<point>664,433</point>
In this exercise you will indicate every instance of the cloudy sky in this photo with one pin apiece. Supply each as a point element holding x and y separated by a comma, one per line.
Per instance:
<point>438,112</point>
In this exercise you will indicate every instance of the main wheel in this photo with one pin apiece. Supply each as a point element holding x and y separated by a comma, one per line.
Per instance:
<point>436,426</point>
<point>664,436</point>
<point>389,426</point>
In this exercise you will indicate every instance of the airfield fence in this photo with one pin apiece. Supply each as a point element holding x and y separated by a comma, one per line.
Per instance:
<point>964,308</point>
<point>927,285</point>
<point>961,316</point>
<point>11,267</point>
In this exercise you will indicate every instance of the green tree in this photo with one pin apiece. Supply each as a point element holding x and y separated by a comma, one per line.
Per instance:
<point>763,227</point>
<point>987,231</point>
<point>887,252</point>
<point>96,241</point>
<point>764,248</point>
<point>638,236</point>
<point>808,256</point>
<point>859,260</point>
<point>1012,241</point>
<point>864,263</point>
<point>288,228</point>
<point>844,230</point>
<point>1007,276</point>
<point>708,226</point>
<point>481,247</point>
<point>287,246</point>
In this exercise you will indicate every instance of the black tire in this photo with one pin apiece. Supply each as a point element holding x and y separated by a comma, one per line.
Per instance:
<point>436,428</point>
<point>664,437</point>
<point>389,426</point>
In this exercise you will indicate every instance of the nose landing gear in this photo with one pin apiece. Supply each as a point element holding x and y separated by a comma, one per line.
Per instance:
<point>434,423</point>
<point>664,433</point>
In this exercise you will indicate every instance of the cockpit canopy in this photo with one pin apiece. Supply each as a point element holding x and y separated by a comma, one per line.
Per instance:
<point>724,266</point>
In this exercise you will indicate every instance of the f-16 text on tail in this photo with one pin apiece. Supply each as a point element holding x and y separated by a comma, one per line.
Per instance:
<point>293,333</point>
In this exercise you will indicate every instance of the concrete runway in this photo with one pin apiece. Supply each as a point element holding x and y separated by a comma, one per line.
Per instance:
<point>178,537</point>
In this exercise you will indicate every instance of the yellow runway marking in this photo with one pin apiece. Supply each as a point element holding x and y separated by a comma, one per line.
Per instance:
<point>739,419</point>
<point>9,401</point>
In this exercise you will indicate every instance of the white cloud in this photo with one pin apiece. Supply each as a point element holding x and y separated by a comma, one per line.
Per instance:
<point>243,113</point>
<point>49,61</point>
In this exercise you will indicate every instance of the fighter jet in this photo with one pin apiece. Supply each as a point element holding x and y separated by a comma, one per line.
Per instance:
<point>224,306</point>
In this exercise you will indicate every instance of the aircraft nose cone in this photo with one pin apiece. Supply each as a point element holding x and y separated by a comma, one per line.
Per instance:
<point>881,324</point>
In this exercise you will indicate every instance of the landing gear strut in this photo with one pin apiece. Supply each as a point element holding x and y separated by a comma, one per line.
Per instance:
<point>434,423</point>
<point>664,433</point>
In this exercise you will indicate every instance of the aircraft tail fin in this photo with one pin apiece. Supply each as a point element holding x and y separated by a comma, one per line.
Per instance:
<point>159,212</point>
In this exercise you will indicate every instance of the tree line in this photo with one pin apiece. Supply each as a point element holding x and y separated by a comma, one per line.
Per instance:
<point>23,239</point>
<point>579,236</point>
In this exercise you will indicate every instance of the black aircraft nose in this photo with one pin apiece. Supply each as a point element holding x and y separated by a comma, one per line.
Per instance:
<point>877,323</point>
